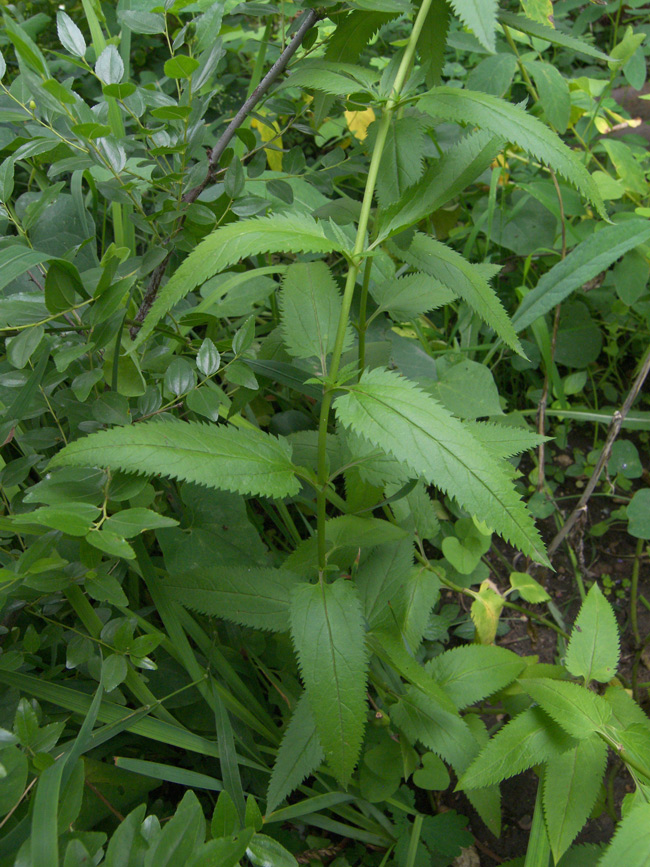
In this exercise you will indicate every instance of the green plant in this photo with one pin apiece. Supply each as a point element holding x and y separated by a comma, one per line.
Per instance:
<point>233,502</point>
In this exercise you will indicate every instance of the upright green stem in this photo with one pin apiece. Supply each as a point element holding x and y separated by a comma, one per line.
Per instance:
<point>538,852</point>
<point>634,594</point>
<point>353,271</point>
<point>363,307</point>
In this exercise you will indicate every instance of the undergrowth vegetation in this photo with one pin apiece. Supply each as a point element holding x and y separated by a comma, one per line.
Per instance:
<point>326,332</point>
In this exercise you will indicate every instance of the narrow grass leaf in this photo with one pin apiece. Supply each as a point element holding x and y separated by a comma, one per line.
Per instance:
<point>169,773</point>
<point>44,838</point>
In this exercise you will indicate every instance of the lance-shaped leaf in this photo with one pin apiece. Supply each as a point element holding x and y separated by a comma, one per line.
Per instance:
<point>243,461</point>
<point>594,255</point>
<point>381,576</point>
<point>256,597</point>
<point>480,16</point>
<point>337,79</point>
<point>397,417</point>
<point>456,169</point>
<point>571,785</point>
<point>311,304</point>
<point>578,710</point>
<point>470,673</point>
<point>401,160</point>
<point>515,124</point>
<point>408,297</point>
<point>467,280</point>
<point>424,719</point>
<point>300,754</point>
<point>529,739</point>
<point>550,34</point>
<point>593,650</point>
<point>503,440</point>
<point>328,634</point>
<point>226,246</point>
<point>631,843</point>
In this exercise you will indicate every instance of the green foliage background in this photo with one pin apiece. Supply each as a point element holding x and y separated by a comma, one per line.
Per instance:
<point>267,419</point>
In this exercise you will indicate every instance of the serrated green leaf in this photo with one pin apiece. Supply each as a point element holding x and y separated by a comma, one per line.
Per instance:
<point>336,79</point>
<point>395,416</point>
<point>424,719</point>
<point>380,577</point>
<point>255,597</point>
<point>631,843</point>
<point>352,33</point>
<point>593,650</point>
<point>553,92</point>
<point>539,10</point>
<point>392,650</point>
<point>504,441</point>
<point>636,749</point>
<point>594,255</point>
<point>299,755</point>
<point>345,536</point>
<point>576,709</point>
<point>456,169</point>
<point>327,631</point>
<point>625,711</point>
<point>412,606</point>
<point>414,510</point>
<point>472,672</point>
<point>226,246</point>
<point>408,297</point>
<point>529,739</point>
<point>467,389</point>
<point>516,125</point>
<point>466,280</point>
<point>480,16</point>
<point>550,34</point>
<point>571,784</point>
<point>310,303</point>
<point>402,160</point>
<point>433,41</point>
<point>243,461</point>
